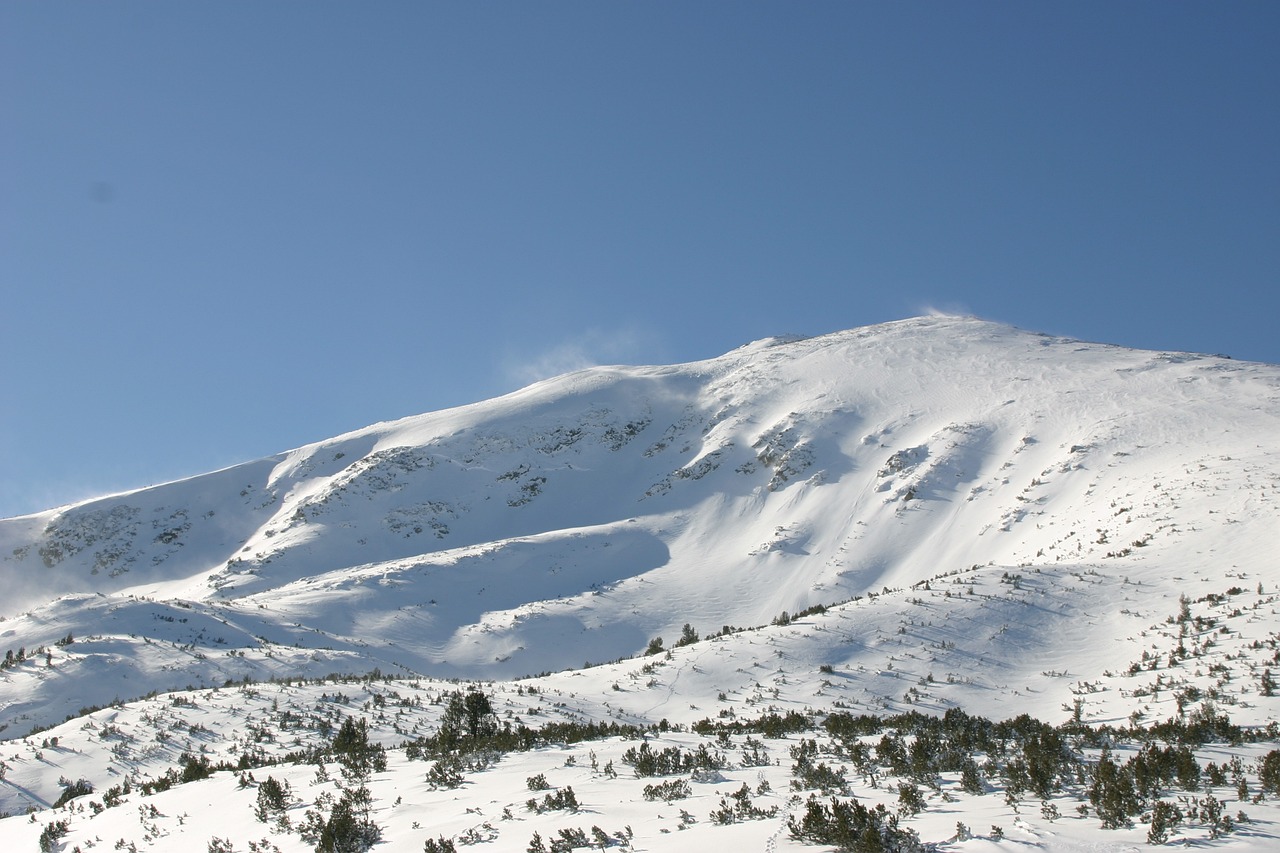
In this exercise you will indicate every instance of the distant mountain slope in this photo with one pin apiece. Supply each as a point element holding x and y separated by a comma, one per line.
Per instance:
<point>578,518</point>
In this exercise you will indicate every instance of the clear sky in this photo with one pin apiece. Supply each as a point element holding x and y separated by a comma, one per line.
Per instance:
<point>228,229</point>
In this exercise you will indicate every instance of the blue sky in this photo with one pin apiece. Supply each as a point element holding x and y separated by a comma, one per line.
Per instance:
<point>230,229</point>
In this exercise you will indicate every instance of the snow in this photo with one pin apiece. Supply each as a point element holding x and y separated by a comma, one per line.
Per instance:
<point>996,520</point>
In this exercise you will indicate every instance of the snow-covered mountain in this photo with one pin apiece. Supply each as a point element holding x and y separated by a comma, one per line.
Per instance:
<point>992,519</point>
<point>578,518</point>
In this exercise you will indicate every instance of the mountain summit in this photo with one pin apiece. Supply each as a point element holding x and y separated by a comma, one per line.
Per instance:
<point>579,518</point>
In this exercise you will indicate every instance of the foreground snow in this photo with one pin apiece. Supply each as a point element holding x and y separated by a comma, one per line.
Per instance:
<point>490,806</point>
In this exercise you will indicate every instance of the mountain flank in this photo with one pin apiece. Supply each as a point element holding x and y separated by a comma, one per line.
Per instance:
<point>936,515</point>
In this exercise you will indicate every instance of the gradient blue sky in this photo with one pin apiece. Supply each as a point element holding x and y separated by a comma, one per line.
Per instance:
<point>228,229</point>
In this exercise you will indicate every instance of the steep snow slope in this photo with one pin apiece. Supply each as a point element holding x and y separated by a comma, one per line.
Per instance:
<point>579,517</point>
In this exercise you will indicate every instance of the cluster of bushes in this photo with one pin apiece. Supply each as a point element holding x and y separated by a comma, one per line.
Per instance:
<point>571,838</point>
<point>849,825</point>
<point>469,726</point>
<point>274,799</point>
<point>672,760</point>
<point>11,660</point>
<point>771,725</point>
<point>50,834</point>
<point>192,769</point>
<point>737,807</point>
<point>349,826</point>
<point>564,799</point>
<point>71,790</point>
<point>810,776</point>
<point>674,789</point>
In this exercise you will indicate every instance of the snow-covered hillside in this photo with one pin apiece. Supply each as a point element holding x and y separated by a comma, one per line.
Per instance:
<point>994,520</point>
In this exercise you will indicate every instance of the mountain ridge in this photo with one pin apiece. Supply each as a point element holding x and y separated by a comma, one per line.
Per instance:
<point>605,507</point>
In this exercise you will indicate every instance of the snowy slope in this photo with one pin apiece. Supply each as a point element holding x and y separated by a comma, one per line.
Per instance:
<point>995,520</point>
<point>578,518</point>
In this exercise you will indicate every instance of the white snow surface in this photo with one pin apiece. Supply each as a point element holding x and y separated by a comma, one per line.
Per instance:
<point>996,520</point>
